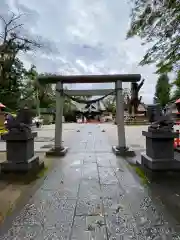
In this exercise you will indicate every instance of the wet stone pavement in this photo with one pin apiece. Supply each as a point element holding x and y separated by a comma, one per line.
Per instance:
<point>92,195</point>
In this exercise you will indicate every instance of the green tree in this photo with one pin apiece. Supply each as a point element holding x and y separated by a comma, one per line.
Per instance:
<point>162,93</point>
<point>10,91</point>
<point>12,71</point>
<point>12,42</point>
<point>157,22</point>
<point>176,83</point>
<point>35,94</point>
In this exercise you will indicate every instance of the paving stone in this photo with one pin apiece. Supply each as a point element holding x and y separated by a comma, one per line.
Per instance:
<point>111,193</point>
<point>23,232</point>
<point>90,164</point>
<point>104,163</point>
<point>91,227</point>
<point>60,205</point>
<point>34,211</point>
<point>69,179</point>
<point>90,159</point>
<point>106,156</point>
<point>88,206</point>
<point>159,233</point>
<point>61,184</point>
<point>79,230</point>
<point>126,180</point>
<point>107,176</point>
<point>62,233</point>
<point>66,192</point>
<point>89,189</point>
<point>120,224</point>
<point>90,173</point>
<point>143,208</point>
<point>117,164</point>
<point>147,215</point>
<point>76,164</point>
<point>54,219</point>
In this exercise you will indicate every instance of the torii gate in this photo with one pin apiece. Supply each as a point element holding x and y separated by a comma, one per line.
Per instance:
<point>59,80</point>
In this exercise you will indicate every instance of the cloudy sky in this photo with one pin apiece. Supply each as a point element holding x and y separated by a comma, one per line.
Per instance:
<point>83,37</point>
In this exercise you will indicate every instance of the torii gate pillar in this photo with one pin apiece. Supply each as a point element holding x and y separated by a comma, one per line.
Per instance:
<point>121,148</point>
<point>120,116</point>
<point>58,149</point>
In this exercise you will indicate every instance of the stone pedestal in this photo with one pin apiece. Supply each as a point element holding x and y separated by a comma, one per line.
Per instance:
<point>159,154</point>
<point>123,152</point>
<point>57,152</point>
<point>20,152</point>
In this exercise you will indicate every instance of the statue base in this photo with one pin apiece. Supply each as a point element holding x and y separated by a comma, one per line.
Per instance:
<point>20,152</point>
<point>124,152</point>
<point>33,164</point>
<point>160,164</point>
<point>57,152</point>
<point>159,171</point>
<point>159,161</point>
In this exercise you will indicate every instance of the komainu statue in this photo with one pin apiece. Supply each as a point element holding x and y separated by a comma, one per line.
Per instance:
<point>22,122</point>
<point>164,123</point>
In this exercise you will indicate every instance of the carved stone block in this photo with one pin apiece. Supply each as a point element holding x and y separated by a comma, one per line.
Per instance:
<point>159,154</point>
<point>20,152</point>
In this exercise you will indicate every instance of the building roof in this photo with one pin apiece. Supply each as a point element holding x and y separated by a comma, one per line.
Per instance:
<point>94,107</point>
<point>142,107</point>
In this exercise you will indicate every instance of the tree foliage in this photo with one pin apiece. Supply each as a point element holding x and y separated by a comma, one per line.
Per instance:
<point>157,22</point>
<point>34,93</point>
<point>162,93</point>
<point>176,83</point>
<point>10,92</point>
<point>15,80</point>
<point>12,42</point>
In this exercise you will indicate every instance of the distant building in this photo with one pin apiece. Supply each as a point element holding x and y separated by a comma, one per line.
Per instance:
<point>142,108</point>
<point>92,111</point>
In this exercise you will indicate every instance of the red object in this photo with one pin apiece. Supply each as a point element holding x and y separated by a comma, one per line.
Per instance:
<point>177,101</point>
<point>177,141</point>
<point>2,105</point>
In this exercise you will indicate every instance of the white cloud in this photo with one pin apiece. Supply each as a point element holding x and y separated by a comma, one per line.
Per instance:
<point>86,36</point>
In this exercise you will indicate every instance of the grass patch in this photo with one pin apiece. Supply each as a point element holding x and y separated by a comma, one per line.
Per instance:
<point>141,174</point>
<point>47,166</point>
<point>42,172</point>
<point>10,209</point>
<point>19,178</point>
<point>2,130</point>
<point>25,178</point>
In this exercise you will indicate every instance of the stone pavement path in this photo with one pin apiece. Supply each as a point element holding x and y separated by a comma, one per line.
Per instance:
<point>92,195</point>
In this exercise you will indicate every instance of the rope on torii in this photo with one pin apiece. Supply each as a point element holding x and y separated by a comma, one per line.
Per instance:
<point>87,101</point>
